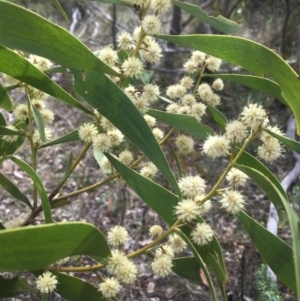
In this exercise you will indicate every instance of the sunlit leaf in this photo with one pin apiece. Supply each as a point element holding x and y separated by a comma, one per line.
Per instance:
<point>24,30</point>
<point>18,67</point>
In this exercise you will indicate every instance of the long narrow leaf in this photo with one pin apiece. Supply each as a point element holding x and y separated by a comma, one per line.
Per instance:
<point>5,101</point>
<point>184,123</point>
<point>252,56</point>
<point>13,286</point>
<point>277,254</point>
<point>24,30</point>
<point>10,187</point>
<point>75,289</point>
<point>37,247</point>
<point>254,82</point>
<point>101,93</point>
<point>60,9</point>
<point>221,23</point>
<point>18,67</point>
<point>70,137</point>
<point>291,144</point>
<point>39,186</point>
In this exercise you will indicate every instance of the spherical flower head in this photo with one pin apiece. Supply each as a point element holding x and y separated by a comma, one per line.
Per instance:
<point>151,92</point>
<point>205,92</point>
<point>21,112</point>
<point>162,266</point>
<point>149,170</point>
<point>176,91</point>
<point>125,41</point>
<point>205,207</point>
<point>10,138</point>
<point>187,82</point>
<point>187,210</point>
<point>137,33</point>
<point>264,136</point>
<point>142,104</point>
<point>158,134</point>
<point>184,110</point>
<point>151,25</point>
<point>184,144</point>
<point>188,100</point>
<point>126,157</point>
<point>192,186</point>
<point>39,62</point>
<point>190,66</point>
<point>38,104</point>
<point>254,115</point>
<point>150,120</point>
<point>46,283</point>
<point>152,52</point>
<point>116,260</point>
<point>36,138</point>
<point>108,56</point>
<point>117,235</point>
<point>114,78</point>
<point>218,84</point>
<point>47,115</point>
<point>106,124</point>
<point>173,108</point>
<point>127,272</point>
<point>213,64</point>
<point>270,150</point>
<point>87,132</point>
<point>116,137</point>
<point>236,131</point>
<point>160,6</point>
<point>177,243</point>
<point>36,94</point>
<point>155,231</point>
<point>164,250</point>
<point>216,146</point>
<point>102,142</point>
<point>202,234</point>
<point>214,100</point>
<point>232,201</point>
<point>198,110</point>
<point>236,178</point>
<point>106,165</point>
<point>110,288</point>
<point>132,67</point>
<point>198,57</point>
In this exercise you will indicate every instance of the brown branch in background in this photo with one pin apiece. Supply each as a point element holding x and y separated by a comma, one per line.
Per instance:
<point>113,26</point>
<point>284,28</point>
<point>233,8</point>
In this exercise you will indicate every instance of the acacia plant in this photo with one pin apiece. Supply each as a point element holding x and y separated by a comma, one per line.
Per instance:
<point>117,92</point>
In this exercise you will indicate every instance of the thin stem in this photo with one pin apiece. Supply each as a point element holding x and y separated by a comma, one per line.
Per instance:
<point>229,166</point>
<point>131,255</point>
<point>32,147</point>
<point>65,178</point>
<point>199,78</point>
